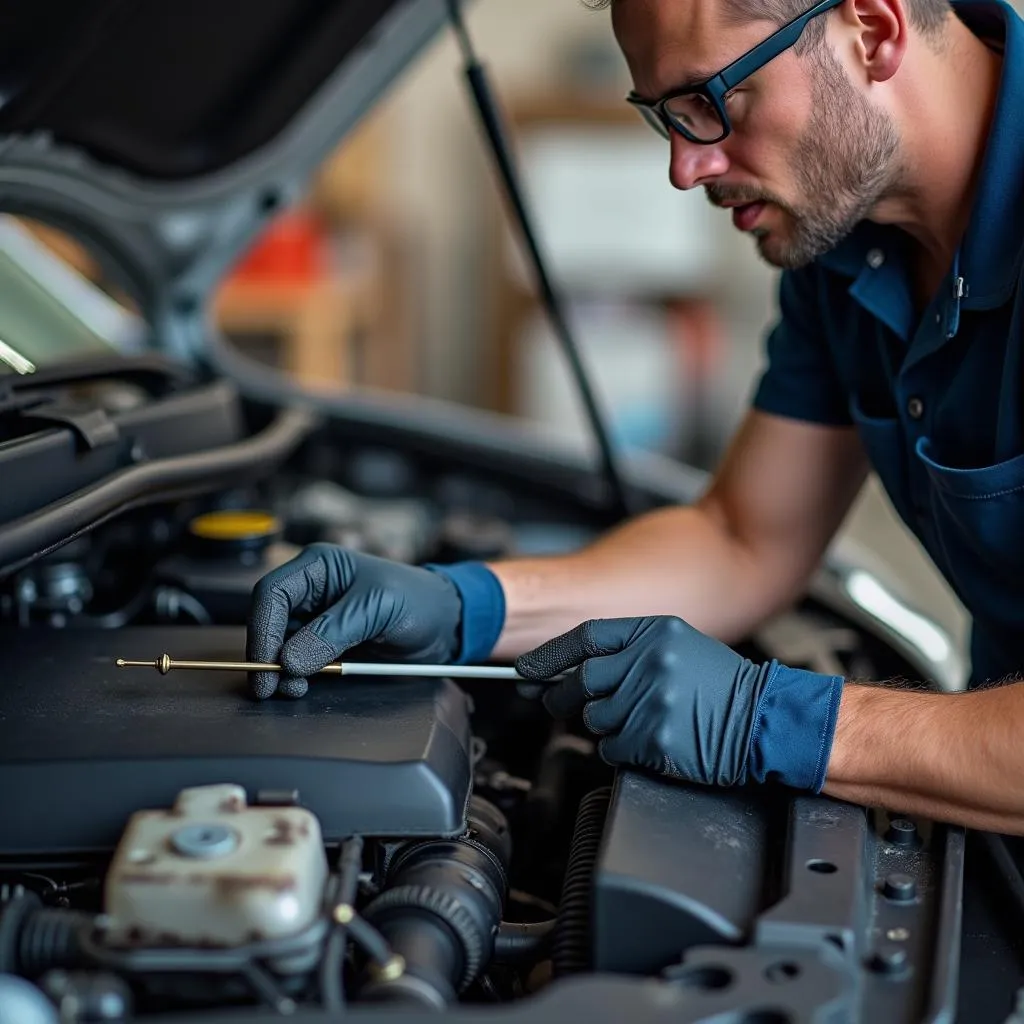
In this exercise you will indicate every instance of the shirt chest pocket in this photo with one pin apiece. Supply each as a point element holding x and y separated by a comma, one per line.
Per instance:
<point>978,514</point>
<point>970,520</point>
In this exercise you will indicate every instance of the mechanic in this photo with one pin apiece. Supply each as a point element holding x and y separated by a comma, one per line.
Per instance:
<point>874,149</point>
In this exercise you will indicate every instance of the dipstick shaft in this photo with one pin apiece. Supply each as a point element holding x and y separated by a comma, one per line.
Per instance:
<point>165,664</point>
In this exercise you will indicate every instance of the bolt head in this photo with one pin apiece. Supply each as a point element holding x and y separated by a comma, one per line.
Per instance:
<point>899,887</point>
<point>902,832</point>
<point>890,960</point>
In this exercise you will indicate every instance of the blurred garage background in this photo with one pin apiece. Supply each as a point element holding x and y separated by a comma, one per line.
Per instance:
<point>399,272</point>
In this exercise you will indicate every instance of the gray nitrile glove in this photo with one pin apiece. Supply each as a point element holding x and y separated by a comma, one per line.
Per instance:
<point>665,697</point>
<point>402,612</point>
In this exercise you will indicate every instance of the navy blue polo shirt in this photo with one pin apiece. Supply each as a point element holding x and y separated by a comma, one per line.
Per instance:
<point>936,396</point>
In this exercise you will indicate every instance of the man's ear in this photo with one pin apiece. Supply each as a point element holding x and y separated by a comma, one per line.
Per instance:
<point>878,31</point>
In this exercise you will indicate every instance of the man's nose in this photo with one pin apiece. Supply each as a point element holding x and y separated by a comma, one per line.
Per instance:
<point>692,164</point>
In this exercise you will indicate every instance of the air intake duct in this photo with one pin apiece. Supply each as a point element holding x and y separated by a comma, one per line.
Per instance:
<point>441,910</point>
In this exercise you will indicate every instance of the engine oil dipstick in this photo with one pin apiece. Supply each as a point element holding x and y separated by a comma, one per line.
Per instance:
<point>165,664</point>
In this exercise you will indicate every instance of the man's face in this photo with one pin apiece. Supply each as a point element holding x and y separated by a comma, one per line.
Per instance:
<point>808,156</point>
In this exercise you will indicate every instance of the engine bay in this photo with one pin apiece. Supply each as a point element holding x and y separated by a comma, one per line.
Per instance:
<point>169,846</point>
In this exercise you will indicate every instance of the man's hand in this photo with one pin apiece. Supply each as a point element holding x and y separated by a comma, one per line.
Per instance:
<point>665,697</point>
<point>404,613</point>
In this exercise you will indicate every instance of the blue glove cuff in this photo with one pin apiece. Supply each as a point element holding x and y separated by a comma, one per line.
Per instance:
<point>483,609</point>
<point>794,725</point>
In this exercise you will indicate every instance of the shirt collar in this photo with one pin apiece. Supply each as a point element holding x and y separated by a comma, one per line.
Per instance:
<point>993,245</point>
<point>994,242</point>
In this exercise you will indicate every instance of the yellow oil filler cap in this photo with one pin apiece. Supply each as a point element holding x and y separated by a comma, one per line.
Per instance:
<point>229,532</point>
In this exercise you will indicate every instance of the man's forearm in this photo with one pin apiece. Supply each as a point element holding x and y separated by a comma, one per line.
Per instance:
<point>677,561</point>
<point>950,757</point>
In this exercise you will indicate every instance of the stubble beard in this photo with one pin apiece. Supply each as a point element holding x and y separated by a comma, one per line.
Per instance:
<point>845,163</point>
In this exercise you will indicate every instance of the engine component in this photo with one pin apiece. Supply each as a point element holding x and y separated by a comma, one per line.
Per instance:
<point>441,910</point>
<point>741,885</point>
<point>522,942</point>
<point>215,872</point>
<point>571,947</point>
<point>34,938</point>
<point>680,866</point>
<point>88,998</point>
<point>474,536</point>
<point>377,757</point>
<point>52,591</point>
<point>234,531</point>
<point>225,554</point>
<point>401,529</point>
<point>22,1003</point>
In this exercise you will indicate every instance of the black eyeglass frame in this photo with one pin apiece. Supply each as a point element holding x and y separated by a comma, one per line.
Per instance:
<point>715,87</point>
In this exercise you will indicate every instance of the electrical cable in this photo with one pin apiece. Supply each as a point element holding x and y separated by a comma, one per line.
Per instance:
<point>491,122</point>
<point>332,965</point>
<point>370,940</point>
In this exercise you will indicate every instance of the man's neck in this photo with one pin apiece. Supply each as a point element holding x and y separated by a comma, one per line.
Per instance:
<point>946,113</point>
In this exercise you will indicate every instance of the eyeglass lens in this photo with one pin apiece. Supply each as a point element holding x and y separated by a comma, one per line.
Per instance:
<point>696,114</point>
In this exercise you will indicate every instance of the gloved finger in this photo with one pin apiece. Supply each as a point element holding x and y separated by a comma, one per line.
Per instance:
<point>615,751</point>
<point>625,750</point>
<point>620,688</point>
<point>566,698</point>
<point>361,615</point>
<point>530,691</point>
<point>298,585</point>
<point>590,639</point>
<point>596,677</point>
<point>290,686</point>
<point>629,750</point>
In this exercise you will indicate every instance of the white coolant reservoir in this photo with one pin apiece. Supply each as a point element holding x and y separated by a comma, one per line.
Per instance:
<point>215,872</point>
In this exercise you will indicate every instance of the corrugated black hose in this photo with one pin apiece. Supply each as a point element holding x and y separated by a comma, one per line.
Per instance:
<point>571,947</point>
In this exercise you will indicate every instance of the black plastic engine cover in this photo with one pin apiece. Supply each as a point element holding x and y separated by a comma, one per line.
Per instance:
<point>804,906</point>
<point>84,744</point>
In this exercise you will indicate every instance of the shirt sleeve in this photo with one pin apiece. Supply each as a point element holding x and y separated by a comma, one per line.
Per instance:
<point>801,380</point>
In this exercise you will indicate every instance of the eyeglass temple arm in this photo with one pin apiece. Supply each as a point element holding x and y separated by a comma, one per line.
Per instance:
<point>781,40</point>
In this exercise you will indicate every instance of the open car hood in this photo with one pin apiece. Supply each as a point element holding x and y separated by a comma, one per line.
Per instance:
<point>167,134</point>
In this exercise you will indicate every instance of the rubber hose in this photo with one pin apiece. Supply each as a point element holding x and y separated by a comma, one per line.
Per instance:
<point>546,796</point>
<point>517,942</point>
<point>49,939</point>
<point>32,536</point>
<point>571,946</point>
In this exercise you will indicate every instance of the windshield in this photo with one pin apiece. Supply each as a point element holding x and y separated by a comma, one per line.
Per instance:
<point>53,306</point>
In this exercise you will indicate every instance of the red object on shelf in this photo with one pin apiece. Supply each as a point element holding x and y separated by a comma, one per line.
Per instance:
<point>294,248</point>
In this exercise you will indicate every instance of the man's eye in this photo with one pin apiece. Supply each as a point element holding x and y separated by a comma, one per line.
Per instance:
<point>735,102</point>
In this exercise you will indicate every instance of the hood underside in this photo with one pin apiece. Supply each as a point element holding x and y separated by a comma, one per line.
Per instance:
<point>171,89</point>
<point>166,134</point>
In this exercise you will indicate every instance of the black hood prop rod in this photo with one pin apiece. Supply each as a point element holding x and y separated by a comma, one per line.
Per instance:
<point>491,122</point>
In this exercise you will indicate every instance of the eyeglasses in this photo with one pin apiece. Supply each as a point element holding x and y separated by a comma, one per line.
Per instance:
<point>698,111</point>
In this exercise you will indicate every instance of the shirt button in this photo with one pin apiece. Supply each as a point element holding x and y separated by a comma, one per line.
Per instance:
<point>915,408</point>
<point>875,258</point>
